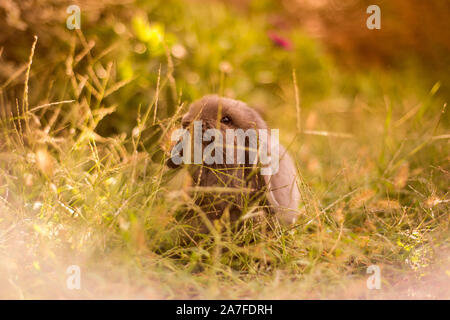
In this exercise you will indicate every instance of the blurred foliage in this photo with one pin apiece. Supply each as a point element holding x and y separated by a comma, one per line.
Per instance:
<point>410,29</point>
<point>372,153</point>
<point>205,42</point>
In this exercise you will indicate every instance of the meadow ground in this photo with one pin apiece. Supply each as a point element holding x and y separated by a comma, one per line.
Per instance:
<point>85,120</point>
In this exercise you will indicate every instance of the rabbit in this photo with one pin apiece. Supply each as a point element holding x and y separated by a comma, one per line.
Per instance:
<point>238,185</point>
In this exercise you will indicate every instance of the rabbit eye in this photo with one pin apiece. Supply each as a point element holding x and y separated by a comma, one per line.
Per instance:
<point>185,124</point>
<point>225,119</point>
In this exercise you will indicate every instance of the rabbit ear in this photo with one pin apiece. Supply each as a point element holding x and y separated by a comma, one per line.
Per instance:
<point>282,188</point>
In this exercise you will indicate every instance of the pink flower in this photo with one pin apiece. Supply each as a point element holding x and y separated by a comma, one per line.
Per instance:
<point>279,40</point>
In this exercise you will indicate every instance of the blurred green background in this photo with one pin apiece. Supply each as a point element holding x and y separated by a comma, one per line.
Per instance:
<point>242,49</point>
<point>372,149</point>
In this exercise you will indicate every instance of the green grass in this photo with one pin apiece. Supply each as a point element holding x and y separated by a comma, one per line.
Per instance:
<point>83,180</point>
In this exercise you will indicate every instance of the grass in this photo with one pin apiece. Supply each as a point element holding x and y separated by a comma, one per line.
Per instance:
<point>374,170</point>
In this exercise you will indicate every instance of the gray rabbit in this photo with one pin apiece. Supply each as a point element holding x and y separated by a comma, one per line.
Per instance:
<point>234,185</point>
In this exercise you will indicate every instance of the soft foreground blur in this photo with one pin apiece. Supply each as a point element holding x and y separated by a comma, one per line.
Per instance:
<point>86,116</point>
